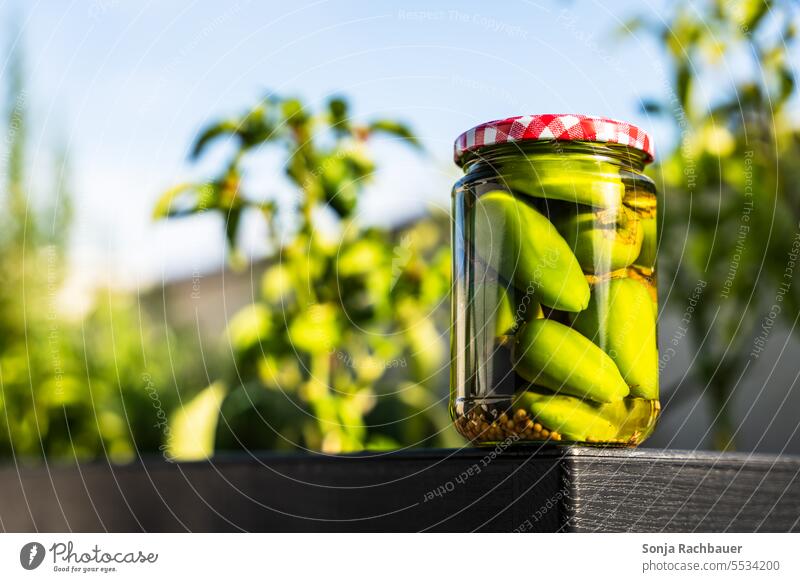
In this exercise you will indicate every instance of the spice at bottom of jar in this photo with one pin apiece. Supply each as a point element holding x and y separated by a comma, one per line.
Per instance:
<point>631,423</point>
<point>479,427</point>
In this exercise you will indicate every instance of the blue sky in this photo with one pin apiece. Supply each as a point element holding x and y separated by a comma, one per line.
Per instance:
<point>126,85</point>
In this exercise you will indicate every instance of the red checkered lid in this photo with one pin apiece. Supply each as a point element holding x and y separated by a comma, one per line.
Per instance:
<point>560,126</point>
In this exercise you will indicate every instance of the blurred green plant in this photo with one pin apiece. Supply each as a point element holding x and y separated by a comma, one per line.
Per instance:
<point>76,382</point>
<point>345,345</point>
<point>730,205</point>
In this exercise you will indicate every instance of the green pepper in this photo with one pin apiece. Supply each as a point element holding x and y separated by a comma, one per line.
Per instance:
<point>647,256</point>
<point>649,282</point>
<point>510,315</point>
<point>505,322</point>
<point>523,246</point>
<point>575,419</point>
<point>645,205</point>
<point>621,320</point>
<point>603,240</point>
<point>583,180</point>
<point>559,358</point>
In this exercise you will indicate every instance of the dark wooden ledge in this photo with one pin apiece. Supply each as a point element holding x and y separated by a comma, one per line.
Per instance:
<point>551,489</point>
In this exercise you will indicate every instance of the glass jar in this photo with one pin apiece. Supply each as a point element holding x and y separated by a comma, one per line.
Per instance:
<point>554,283</point>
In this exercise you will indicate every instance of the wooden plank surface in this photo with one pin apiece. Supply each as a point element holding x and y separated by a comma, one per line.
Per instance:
<point>678,491</point>
<point>550,489</point>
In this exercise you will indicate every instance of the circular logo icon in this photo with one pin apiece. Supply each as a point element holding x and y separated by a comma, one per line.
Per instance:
<point>31,555</point>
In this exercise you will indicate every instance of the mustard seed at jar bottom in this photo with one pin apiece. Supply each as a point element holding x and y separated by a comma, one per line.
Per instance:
<point>554,283</point>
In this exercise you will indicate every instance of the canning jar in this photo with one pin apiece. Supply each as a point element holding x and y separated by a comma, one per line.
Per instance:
<point>554,283</point>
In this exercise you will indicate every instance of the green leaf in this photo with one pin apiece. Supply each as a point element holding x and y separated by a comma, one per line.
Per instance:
<point>395,128</point>
<point>277,286</point>
<point>251,325</point>
<point>787,84</point>
<point>185,199</point>
<point>342,178</point>
<point>683,83</point>
<point>212,132</point>
<point>338,112</point>
<point>316,330</point>
<point>753,11</point>
<point>258,126</point>
<point>193,427</point>
<point>295,113</point>
<point>233,219</point>
<point>360,164</point>
<point>361,257</point>
<point>62,391</point>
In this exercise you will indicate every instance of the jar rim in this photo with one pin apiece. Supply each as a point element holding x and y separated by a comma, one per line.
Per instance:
<point>553,127</point>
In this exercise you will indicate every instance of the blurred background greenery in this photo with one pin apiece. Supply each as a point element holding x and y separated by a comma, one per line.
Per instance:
<point>341,344</point>
<point>730,207</point>
<point>344,348</point>
<point>72,385</point>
